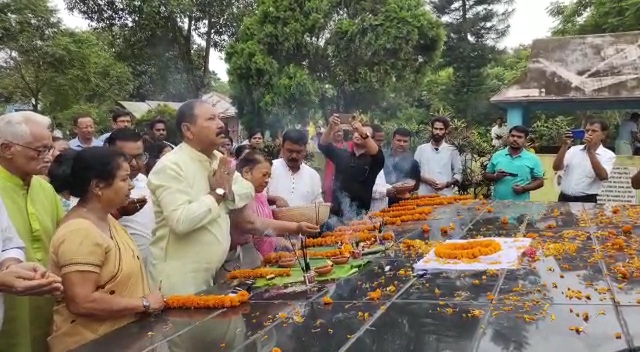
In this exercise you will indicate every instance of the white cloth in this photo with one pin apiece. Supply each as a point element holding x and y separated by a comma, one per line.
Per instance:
<point>497,134</point>
<point>441,164</point>
<point>300,188</point>
<point>506,258</point>
<point>579,179</point>
<point>11,246</point>
<point>625,141</point>
<point>141,224</point>
<point>625,130</point>
<point>379,199</point>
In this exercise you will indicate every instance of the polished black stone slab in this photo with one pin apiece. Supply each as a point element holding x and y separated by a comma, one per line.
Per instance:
<point>315,328</point>
<point>473,286</point>
<point>613,214</point>
<point>423,326</point>
<point>504,216</point>
<point>551,330</point>
<point>556,215</point>
<point>531,308</point>
<point>388,275</point>
<point>289,293</point>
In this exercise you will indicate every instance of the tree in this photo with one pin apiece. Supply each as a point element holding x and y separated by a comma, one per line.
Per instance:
<point>83,71</point>
<point>52,67</point>
<point>474,28</point>
<point>594,16</point>
<point>218,85</point>
<point>27,28</point>
<point>291,58</point>
<point>166,45</point>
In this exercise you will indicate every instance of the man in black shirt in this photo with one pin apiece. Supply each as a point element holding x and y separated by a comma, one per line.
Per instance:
<point>399,162</point>
<point>355,171</point>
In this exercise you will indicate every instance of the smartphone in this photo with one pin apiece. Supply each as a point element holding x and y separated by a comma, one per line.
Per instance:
<point>510,174</point>
<point>346,119</point>
<point>577,134</point>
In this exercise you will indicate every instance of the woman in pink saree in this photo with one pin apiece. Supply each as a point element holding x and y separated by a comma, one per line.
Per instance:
<point>255,168</point>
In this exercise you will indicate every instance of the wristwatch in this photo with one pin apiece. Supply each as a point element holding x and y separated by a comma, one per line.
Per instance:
<point>146,305</point>
<point>221,192</point>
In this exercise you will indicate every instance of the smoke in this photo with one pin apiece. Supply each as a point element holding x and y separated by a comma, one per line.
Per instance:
<point>350,210</point>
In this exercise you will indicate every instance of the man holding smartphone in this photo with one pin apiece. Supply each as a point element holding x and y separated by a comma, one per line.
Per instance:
<point>515,170</point>
<point>355,170</point>
<point>585,166</point>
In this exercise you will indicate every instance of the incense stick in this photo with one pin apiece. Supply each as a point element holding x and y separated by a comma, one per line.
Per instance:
<point>307,266</point>
<point>295,252</point>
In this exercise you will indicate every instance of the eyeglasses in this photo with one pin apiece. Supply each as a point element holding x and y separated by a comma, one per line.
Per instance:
<point>40,152</point>
<point>141,158</point>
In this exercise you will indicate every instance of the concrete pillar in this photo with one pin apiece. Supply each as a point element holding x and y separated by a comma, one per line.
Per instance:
<point>515,115</point>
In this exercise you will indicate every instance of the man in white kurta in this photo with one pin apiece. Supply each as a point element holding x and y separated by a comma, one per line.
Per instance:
<point>297,188</point>
<point>291,179</point>
<point>192,236</point>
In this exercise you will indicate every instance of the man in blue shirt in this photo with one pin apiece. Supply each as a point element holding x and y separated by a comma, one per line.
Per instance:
<point>515,171</point>
<point>84,128</point>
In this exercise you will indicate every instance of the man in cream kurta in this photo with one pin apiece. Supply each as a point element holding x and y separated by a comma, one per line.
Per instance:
<point>192,235</point>
<point>191,239</point>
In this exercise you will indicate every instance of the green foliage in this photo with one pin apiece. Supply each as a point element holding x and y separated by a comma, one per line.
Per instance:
<point>271,149</point>
<point>164,112</point>
<point>291,59</point>
<point>548,131</point>
<point>27,28</point>
<point>474,145</point>
<point>83,70</point>
<point>166,44</point>
<point>473,30</point>
<point>594,16</point>
<point>54,67</point>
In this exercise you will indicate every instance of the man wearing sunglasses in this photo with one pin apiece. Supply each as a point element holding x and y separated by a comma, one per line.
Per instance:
<point>355,170</point>
<point>137,216</point>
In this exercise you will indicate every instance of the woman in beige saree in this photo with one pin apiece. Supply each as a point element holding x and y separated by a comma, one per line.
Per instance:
<point>102,275</point>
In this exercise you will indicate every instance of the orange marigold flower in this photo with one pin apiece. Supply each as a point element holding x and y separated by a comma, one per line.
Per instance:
<point>467,249</point>
<point>627,229</point>
<point>375,295</point>
<point>206,301</point>
<point>326,300</point>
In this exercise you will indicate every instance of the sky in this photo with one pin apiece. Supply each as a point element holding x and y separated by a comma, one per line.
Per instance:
<point>530,21</point>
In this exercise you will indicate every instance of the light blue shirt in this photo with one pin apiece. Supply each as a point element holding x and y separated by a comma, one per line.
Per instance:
<point>75,144</point>
<point>104,137</point>
<point>526,165</point>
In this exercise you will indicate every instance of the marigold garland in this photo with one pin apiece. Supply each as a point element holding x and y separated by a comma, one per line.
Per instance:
<point>334,238</point>
<point>467,250</point>
<point>206,301</point>
<point>257,273</point>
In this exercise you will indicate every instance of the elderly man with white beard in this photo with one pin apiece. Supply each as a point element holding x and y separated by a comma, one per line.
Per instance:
<point>35,211</point>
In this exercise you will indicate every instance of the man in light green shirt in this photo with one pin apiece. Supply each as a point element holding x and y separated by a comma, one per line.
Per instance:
<point>193,190</point>
<point>35,211</point>
<point>515,171</point>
